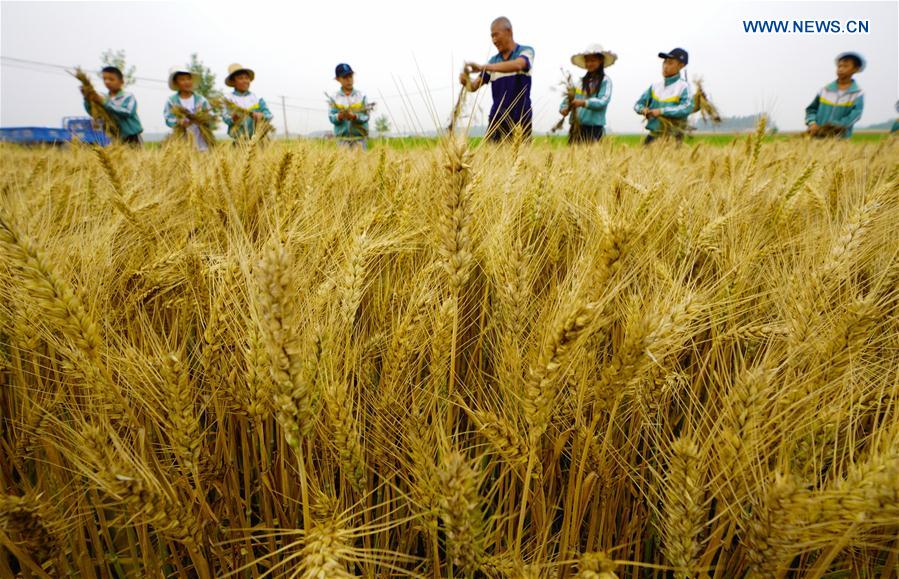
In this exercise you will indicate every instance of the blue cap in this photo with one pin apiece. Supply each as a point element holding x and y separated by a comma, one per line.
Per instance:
<point>343,69</point>
<point>678,54</point>
<point>858,58</point>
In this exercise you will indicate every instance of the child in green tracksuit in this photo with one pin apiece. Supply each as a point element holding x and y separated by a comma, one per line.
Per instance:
<point>121,105</point>
<point>592,98</point>
<point>667,103</point>
<point>839,105</point>
<point>349,110</point>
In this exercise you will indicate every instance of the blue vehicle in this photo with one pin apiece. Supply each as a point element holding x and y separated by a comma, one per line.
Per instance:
<point>80,128</point>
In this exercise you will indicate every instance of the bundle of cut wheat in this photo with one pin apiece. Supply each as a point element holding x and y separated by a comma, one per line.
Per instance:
<point>204,120</point>
<point>460,100</point>
<point>570,87</point>
<point>669,127</point>
<point>830,130</point>
<point>102,118</point>
<point>367,108</point>
<point>703,105</point>
<point>239,115</point>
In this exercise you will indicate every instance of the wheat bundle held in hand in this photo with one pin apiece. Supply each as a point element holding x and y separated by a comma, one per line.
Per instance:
<point>672,127</point>
<point>204,120</point>
<point>703,105</point>
<point>574,121</point>
<point>102,118</point>
<point>459,106</point>
<point>829,130</point>
<point>367,109</point>
<point>239,115</point>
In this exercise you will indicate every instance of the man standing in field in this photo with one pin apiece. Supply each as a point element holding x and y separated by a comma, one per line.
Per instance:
<point>666,104</point>
<point>509,72</point>
<point>839,105</point>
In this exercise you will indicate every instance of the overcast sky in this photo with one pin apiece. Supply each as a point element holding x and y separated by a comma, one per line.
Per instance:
<point>415,49</point>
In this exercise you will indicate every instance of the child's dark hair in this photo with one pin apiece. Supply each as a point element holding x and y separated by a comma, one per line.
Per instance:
<point>180,74</point>
<point>592,81</point>
<point>113,70</point>
<point>856,61</point>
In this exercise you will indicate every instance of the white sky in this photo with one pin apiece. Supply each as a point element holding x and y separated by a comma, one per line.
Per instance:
<point>404,47</point>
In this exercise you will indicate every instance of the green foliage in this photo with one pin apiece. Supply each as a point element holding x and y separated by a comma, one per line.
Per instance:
<point>382,125</point>
<point>206,84</point>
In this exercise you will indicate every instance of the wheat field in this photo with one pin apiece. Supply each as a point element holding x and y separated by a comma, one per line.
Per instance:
<point>462,361</point>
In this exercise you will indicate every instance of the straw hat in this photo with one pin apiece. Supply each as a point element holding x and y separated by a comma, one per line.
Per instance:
<point>608,57</point>
<point>234,69</point>
<point>175,71</point>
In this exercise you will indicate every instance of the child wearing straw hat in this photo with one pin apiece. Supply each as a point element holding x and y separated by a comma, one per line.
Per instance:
<point>592,98</point>
<point>181,108</point>
<point>839,105</point>
<point>666,104</point>
<point>243,110</point>
<point>349,110</point>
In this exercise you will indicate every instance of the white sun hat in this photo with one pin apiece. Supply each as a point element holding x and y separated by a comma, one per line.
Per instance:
<point>176,70</point>
<point>608,57</point>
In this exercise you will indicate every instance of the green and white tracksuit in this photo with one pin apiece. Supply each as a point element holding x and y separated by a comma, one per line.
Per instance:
<point>247,101</point>
<point>593,114</point>
<point>674,97</point>
<point>349,129</point>
<point>835,107</point>
<point>123,108</point>
<point>192,104</point>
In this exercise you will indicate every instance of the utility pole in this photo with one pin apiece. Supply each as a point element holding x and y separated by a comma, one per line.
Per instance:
<point>284,114</point>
